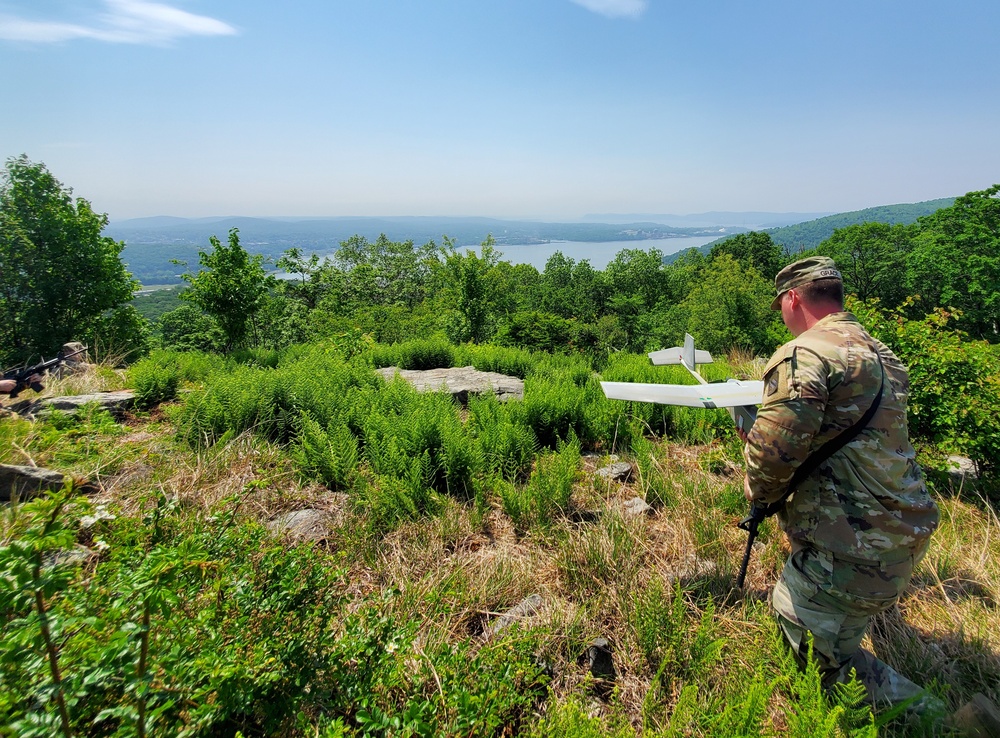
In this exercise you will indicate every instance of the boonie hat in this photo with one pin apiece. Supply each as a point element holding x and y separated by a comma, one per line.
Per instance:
<point>800,272</point>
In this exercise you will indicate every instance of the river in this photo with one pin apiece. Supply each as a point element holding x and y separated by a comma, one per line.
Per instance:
<point>598,253</point>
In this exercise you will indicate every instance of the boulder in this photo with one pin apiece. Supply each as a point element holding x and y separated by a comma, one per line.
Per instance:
<point>599,661</point>
<point>962,467</point>
<point>979,717</point>
<point>460,382</point>
<point>25,482</point>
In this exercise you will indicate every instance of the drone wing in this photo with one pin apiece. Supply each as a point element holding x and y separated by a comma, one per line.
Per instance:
<point>733,393</point>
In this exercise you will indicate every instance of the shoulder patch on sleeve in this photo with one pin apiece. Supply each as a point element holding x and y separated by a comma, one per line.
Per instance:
<point>778,373</point>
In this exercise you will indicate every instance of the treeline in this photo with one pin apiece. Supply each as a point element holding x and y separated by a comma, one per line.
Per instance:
<point>395,290</point>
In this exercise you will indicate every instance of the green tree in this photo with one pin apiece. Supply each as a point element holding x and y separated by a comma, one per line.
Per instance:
<point>955,262</point>
<point>60,279</point>
<point>872,258</point>
<point>385,272</point>
<point>189,329</point>
<point>754,250</point>
<point>232,287</point>
<point>730,308</point>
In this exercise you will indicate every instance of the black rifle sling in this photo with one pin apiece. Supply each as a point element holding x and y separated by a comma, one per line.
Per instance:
<point>832,446</point>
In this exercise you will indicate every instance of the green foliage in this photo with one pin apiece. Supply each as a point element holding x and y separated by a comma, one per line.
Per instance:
<point>386,684</point>
<point>269,401</point>
<point>954,382</point>
<point>754,250</point>
<point>507,444</point>
<point>155,379</point>
<point>32,662</point>
<point>213,629</point>
<point>729,307</point>
<point>513,362</point>
<point>548,491</point>
<point>556,407</point>
<point>872,258</point>
<point>430,353</point>
<point>187,328</point>
<point>328,455</point>
<point>672,645</point>
<point>60,279</point>
<point>535,330</point>
<point>573,719</point>
<point>231,287</point>
<point>955,262</point>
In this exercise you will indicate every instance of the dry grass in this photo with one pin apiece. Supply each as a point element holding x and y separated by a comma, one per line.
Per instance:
<point>456,572</point>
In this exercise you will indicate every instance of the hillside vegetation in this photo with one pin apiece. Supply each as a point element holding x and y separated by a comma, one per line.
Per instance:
<point>178,597</point>
<point>806,236</point>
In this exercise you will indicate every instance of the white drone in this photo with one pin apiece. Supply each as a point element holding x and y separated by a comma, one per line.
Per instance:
<point>739,397</point>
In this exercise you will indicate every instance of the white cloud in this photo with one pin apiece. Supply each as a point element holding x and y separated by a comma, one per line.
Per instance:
<point>124,21</point>
<point>615,8</point>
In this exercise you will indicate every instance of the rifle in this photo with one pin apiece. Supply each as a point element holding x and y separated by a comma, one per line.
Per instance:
<point>22,376</point>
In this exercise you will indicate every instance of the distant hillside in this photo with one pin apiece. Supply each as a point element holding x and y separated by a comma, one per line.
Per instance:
<point>809,235</point>
<point>749,220</point>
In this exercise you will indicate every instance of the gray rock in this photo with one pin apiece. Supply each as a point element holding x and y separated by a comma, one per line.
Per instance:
<point>116,403</point>
<point>635,507</point>
<point>962,467</point>
<point>523,609</point>
<point>691,567</point>
<point>599,661</point>
<point>68,557</point>
<point>302,525</point>
<point>25,482</point>
<point>618,472</point>
<point>978,717</point>
<point>460,382</point>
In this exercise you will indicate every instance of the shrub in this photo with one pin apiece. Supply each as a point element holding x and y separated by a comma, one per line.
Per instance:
<point>514,362</point>
<point>155,379</point>
<point>507,443</point>
<point>329,455</point>
<point>419,354</point>
<point>954,382</point>
<point>548,490</point>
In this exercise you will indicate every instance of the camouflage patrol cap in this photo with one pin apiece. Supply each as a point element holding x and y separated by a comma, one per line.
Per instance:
<point>800,272</point>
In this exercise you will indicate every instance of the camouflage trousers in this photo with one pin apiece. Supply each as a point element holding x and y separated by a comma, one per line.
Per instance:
<point>833,600</point>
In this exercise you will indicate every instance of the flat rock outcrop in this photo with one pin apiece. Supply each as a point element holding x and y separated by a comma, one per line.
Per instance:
<point>460,382</point>
<point>116,403</point>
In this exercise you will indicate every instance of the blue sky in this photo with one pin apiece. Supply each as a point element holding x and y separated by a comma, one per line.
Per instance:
<point>518,108</point>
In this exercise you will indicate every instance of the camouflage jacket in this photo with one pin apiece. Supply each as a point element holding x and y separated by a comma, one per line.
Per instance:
<point>868,501</point>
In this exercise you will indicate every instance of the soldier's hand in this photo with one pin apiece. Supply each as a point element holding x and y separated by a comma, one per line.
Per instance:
<point>747,491</point>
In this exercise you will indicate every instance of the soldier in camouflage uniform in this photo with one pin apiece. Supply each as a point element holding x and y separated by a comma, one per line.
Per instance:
<point>861,521</point>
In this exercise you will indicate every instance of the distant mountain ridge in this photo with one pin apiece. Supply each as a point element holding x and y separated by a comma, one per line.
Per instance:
<point>810,234</point>
<point>750,220</point>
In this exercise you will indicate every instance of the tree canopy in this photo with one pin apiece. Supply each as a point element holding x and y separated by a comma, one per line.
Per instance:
<point>60,279</point>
